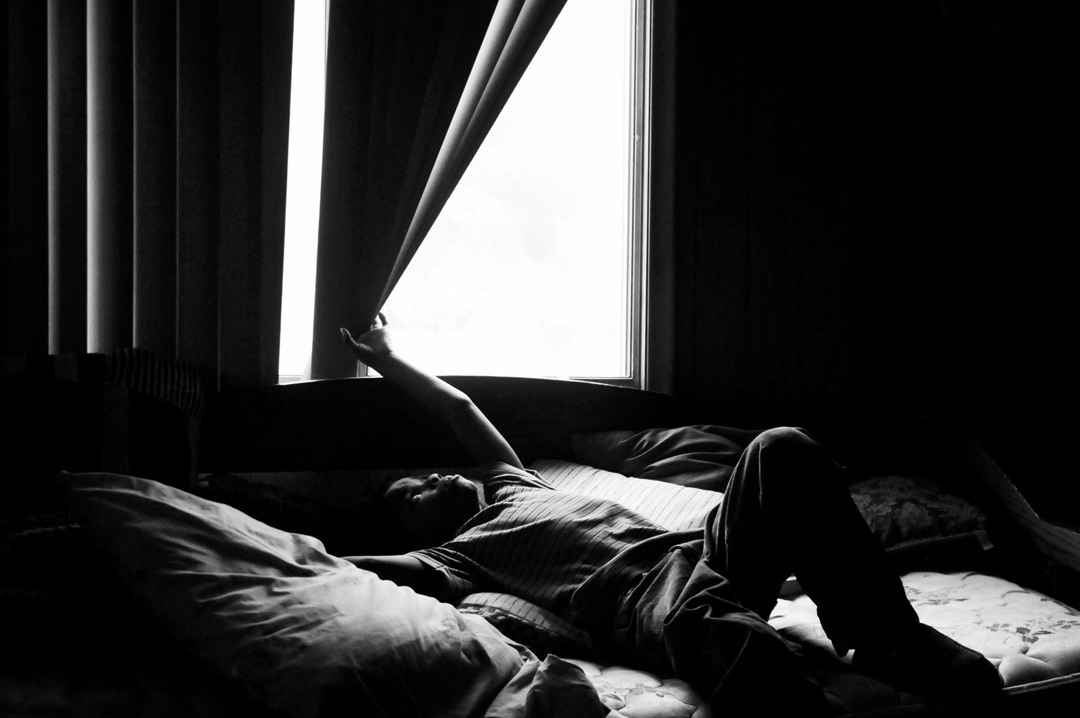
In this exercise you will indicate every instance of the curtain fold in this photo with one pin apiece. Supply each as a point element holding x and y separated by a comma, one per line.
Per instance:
<point>24,246</point>
<point>166,136</point>
<point>412,88</point>
<point>109,174</point>
<point>517,30</point>
<point>66,91</point>
<point>154,174</point>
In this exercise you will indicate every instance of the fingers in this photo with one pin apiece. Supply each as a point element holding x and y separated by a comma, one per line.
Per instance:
<point>379,323</point>
<point>348,340</point>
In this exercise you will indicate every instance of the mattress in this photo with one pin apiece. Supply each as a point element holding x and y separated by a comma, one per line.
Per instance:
<point>1030,637</point>
<point>639,694</point>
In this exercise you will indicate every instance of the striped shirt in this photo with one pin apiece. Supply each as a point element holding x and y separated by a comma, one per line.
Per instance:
<point>572,554</point>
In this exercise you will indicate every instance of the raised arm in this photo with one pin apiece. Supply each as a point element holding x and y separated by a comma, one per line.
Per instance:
<point>475,431</point>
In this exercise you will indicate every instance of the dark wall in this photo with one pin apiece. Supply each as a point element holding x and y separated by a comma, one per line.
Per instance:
<point>874,219</point>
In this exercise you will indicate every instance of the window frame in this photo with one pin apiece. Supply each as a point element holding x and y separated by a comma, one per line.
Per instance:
<point>646,353</point>
<point>639,204</point>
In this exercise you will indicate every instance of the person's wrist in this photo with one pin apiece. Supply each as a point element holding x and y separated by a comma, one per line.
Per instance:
<point>383,360</point>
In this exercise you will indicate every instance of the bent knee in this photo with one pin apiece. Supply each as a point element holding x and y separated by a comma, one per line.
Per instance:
<point>783,438</point>
<point>787,456</point>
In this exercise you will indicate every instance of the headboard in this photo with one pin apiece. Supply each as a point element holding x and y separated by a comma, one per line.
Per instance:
<point>369,423</point>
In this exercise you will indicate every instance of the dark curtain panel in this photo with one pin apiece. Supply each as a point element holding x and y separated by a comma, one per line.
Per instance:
<point>147,146</point>
<point>512,41</point>
<point>411,90</point>
<point>395,71</point>
<point>154,97</point>
<point>24,244</point>
<point>66,91</point>
<point>109,167</point>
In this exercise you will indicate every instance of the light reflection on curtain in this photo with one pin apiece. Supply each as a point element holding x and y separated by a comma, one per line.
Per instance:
<point>412,89</point>
<point>153,147</point>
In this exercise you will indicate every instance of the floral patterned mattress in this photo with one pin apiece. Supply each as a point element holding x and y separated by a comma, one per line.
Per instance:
<point>1028,636</point>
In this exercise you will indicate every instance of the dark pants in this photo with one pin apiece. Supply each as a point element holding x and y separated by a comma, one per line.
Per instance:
<point>704,608</point>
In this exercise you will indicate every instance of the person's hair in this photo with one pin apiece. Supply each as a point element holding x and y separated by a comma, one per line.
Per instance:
<point>379,495</point>
<point>372,530</point>
<point>393,539</point>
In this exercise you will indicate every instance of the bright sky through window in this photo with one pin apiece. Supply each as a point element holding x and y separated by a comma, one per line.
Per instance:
<point>525,270</point>
<point>303,186</point>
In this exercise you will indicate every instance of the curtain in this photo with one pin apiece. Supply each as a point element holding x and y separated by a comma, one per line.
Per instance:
<point>412,89</point>
<point>147,147</point>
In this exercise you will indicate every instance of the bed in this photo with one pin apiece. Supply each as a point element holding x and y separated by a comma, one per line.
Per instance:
<point>217,591</point>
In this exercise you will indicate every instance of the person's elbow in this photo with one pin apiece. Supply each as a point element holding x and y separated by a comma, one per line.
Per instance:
<point>478,435</point>
<point>460,408</point>
<point>402,570</point>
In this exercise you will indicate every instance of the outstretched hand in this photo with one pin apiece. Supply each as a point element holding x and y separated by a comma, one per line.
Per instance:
<point>373,345</point>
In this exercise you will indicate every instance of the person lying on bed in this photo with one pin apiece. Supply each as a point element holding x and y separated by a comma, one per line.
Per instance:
<point>690,602</point>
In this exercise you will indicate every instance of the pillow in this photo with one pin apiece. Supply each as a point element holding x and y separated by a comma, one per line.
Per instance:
<point>343,532</point>
<point>901,509</point>
<point>59,603</point>
<point>674,507</point>
<point>305,632</point>
<point>338,507</point>
<point>700,456</point>
<point>921,526</point>
<point>541,630</point>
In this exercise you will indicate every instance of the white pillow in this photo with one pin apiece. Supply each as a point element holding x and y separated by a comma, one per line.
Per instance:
<point>307,633</point>
<point>669,505</point>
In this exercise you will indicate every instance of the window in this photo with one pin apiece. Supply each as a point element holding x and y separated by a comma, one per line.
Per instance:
<point>303,186</point>
<point>533,267</point>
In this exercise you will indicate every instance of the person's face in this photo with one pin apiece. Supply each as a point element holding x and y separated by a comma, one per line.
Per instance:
<point>431,508</point>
